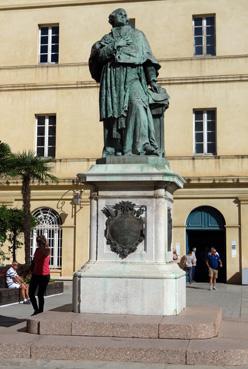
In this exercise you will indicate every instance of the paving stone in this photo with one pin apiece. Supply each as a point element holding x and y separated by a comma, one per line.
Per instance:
<point>15,346</point>
<point>218,351</point>
<point>110,349</point>
<point>55,323</point>
<point>197,322</point>
<point>33,325</point>
<point>234,329</point>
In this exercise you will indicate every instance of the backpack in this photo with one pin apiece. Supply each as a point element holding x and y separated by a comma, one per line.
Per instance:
<point>182,262</point>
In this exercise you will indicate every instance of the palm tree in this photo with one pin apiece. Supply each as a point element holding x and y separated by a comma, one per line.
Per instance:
<point>5,154</point>
<point>29,168</point>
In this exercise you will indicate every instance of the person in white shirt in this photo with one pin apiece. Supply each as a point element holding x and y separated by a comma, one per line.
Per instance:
<point>190,261</point>
<point>194,263</point>
<point>13,280</point>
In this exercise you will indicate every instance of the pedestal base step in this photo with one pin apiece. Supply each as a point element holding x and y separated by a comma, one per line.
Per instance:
<point>199,322</point>
<point>221,351</point>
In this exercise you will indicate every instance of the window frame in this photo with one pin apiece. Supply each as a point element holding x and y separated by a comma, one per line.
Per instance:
<point>204,27</point>
<point>205,131</point>
<point>49,51</point>
<point>52,231</point>
<point>46,134</point>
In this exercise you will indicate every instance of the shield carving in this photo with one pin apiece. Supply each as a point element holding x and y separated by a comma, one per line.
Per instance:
<point>124,227</point>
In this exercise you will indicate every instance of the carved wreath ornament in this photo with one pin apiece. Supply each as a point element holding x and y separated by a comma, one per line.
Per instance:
<point>124,227</point>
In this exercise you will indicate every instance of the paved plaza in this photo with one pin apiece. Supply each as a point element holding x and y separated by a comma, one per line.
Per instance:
<point>232,299</point>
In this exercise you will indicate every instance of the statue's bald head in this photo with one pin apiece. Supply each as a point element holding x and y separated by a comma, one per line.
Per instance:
<point>118,17</point>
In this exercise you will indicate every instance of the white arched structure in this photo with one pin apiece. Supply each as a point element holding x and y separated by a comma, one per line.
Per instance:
<point>48,224</point>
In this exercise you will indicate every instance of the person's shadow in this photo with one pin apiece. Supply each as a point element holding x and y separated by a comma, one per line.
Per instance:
<point>9,321</point>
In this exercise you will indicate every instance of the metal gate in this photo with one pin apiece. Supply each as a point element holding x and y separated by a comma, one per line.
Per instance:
<point>49,225</point>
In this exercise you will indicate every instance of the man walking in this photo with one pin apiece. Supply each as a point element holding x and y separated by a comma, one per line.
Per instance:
<point>213,263</point>
<point>190,261</point>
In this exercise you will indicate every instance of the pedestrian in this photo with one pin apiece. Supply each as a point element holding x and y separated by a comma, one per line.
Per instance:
<point>175,256</point>
<point>190,261</point>
<point>213,263</point>
<point>182,263</point>
<point>40,274</point>
<point>194,263</point>
<point>13,280</point>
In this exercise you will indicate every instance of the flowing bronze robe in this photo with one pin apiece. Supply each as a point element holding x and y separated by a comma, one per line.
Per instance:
<point>123,73</point>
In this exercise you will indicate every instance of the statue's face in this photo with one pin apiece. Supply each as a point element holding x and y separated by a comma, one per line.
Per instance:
<point>120,18</point>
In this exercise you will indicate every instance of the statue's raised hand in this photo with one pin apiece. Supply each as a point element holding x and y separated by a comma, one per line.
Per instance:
<point>154,86</point>
<point>123,42</point>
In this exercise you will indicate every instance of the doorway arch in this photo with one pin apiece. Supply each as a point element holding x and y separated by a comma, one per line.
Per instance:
<point>205,228</point>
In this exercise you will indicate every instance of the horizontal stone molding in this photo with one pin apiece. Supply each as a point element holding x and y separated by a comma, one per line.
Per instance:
<point>198,59</point>
<point>92,84</point>
<point>62,3</point>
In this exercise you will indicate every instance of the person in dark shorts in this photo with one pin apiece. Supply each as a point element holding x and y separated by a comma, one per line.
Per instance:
<point>40,274</point>
<point>213,263</point>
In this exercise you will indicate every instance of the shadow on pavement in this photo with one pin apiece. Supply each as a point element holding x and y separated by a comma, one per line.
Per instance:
<point>65,308</point>
<point>197,287</point>
<point>9,321</point>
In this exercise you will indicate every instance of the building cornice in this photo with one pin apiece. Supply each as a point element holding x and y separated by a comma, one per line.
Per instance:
<point>91,84</point>
<point>60,3</point>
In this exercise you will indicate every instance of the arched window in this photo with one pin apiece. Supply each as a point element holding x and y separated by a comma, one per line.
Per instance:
<point>49,224</point>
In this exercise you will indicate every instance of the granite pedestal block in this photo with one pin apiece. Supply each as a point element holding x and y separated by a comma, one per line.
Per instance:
<point>146,282</point>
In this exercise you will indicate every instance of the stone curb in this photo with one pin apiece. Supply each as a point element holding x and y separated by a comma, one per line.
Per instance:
<point>193,323</point>
<point>216,351</point>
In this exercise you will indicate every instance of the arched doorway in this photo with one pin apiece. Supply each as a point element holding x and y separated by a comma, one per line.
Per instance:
<point>205,228</point>
<point>49,224</point>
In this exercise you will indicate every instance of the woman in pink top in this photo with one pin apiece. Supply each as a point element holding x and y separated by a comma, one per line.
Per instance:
<point>40,274</point>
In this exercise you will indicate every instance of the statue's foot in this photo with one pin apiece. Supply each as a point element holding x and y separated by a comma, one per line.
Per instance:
<point>107,151</point>
<point>150,150</point>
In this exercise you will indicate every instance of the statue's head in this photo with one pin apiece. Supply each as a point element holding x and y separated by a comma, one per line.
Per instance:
<point>118,17</point>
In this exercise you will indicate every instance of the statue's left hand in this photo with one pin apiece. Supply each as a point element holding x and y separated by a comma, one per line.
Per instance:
<point>154,86</point>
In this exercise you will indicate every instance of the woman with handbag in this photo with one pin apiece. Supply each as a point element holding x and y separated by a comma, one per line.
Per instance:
<point>40,274</point>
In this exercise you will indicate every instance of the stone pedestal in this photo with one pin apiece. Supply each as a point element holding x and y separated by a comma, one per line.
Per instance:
<point>146,281</point>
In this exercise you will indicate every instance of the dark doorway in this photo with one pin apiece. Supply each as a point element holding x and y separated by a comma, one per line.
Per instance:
<point>203,241</point>
<point>206,229</point>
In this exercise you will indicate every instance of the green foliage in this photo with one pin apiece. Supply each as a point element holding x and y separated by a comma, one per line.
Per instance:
<point>28,165</point>
<point>5,154</point>
<point>11,226</point>
<point>4,221</point>
<point>29,168</point>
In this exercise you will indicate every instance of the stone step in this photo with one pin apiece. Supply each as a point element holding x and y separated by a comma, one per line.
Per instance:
<point>215,351</point>
<point>198,322</point>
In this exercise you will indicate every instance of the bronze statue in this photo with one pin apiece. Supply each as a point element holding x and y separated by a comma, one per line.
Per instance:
<point>123,63</point>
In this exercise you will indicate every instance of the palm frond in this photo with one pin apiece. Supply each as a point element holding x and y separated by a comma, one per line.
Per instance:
<point>27,164</point>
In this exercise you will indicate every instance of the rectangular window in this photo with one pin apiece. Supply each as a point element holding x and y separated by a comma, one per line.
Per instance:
<point>204,35</point>
<point>49,44</point>
<point>46,135</point>
<point>205,131</point>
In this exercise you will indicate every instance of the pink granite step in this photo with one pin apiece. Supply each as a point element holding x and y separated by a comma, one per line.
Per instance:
<point>218,351</point>
<point>194,323</point>
<point>215,351</point>
<point>198,322</point>
<point>15,346</point>
<point>109,349</point>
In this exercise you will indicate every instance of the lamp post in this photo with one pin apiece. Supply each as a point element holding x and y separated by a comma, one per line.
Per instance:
<point>76,201</point>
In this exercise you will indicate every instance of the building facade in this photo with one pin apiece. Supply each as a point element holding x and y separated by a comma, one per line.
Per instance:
<point>49,104</point>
